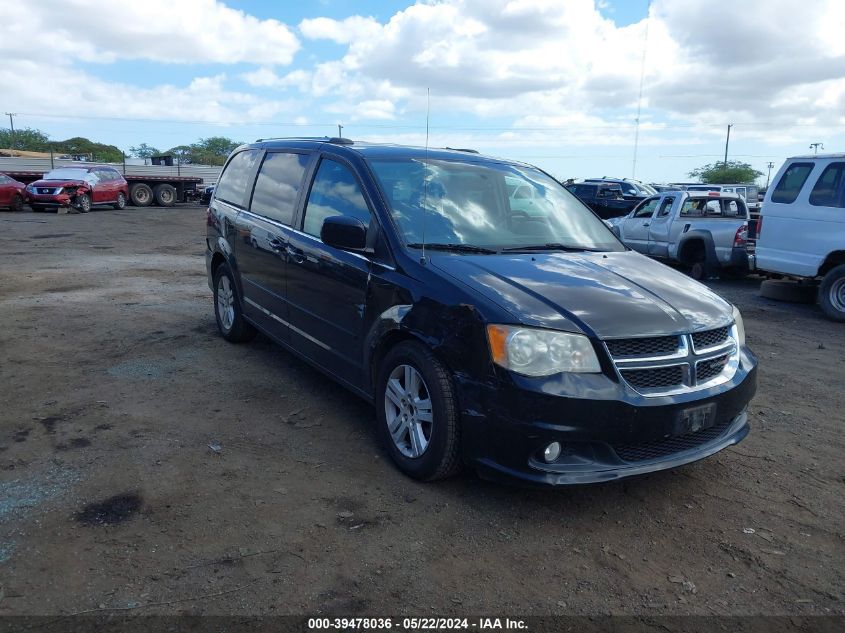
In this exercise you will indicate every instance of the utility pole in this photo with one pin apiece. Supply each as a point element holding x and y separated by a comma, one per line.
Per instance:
<point>727,140</point>
<point>815,147</point>
<point>339,130</point>
<point>12,116</point>
<point>770,164</point>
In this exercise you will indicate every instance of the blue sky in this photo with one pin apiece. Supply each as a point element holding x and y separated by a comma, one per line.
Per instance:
<point>552,83</point>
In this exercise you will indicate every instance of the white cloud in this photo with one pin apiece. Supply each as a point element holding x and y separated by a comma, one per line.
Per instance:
<point>507,57</point>
<point>183,31</point>
<point>341,31</point>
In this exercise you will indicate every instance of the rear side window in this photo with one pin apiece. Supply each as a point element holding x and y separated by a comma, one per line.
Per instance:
<point>233,183</point>
<point>278,185</point>
<point>789,185</point>
<point>4,179</point>
<point>829,190</point>
<point>335,192</point>
<point>665,207</point>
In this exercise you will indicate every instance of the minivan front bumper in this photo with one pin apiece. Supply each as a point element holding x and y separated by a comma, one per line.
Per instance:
<point>506,428</point>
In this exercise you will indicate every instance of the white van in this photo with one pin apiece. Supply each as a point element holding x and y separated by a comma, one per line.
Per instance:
<point>801,232</point>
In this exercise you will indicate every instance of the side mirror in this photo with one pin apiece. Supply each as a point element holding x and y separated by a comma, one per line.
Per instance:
<point>343,232</point>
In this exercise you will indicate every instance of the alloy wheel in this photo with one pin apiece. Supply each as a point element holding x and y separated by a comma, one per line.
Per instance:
<point>407,406</point>
<point>225,303</point>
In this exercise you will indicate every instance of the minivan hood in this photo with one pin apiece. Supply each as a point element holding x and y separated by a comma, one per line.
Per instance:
<point>603,294</point>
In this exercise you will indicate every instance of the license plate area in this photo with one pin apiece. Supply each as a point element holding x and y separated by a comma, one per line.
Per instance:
<point>695,419</point>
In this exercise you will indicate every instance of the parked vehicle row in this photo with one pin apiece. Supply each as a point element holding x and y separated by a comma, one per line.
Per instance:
<point>606,199</point>
<point>521,340</point>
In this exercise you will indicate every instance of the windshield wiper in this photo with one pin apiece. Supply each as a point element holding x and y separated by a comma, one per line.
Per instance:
<point>457,248</point>
<point>551,246</point>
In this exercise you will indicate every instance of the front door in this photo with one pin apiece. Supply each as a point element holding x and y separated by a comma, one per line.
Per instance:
<point>326,286</point>
<point>635,227</point>
<point>658,232</point>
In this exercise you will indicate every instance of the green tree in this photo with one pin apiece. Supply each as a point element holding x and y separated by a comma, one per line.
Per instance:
<point>207,151</point>
<point>25,139</point>
<point>99,152</point>
<point>733,171</point>
<point>144,151</point>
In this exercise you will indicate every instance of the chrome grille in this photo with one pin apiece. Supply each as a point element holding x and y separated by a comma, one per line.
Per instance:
<point>710,338</point>
<point>655,377</point>
<point>674,364</point>
<point>707,369</point>
<point>654,346</point>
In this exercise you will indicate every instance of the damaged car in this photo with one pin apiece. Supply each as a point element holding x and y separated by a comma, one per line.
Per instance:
<point>79,189</point>
<point>529,347</point>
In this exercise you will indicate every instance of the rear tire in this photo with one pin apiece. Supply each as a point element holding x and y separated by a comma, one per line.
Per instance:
<point>121,201</point>
<point>141,195</point>
<point>227,308</point>
<point>420,399</point>
<point>786,290</point>
<point>832,294</point>
<point>16,203</point>
<point>165,195</point>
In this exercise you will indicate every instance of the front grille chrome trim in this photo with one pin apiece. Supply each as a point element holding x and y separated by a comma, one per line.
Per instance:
<point>689,358</point>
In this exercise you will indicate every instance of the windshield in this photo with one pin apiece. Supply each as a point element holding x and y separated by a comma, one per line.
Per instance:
<point>489,205</point>
<point>68,173</point>
<point>647,189</point>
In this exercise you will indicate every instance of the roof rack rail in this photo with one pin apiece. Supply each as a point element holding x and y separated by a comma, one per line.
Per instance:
<point>338,140</point>
<point>462,149</point>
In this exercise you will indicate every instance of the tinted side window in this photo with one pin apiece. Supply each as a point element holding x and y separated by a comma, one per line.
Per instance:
<point>789,185</point>
<point>829,190</point>
<point>278,186</point>
<point>234,181</point>
<point>115,175</point>
<point>4,179</point>
<point>334,192</point>
<point>646,208</point>
<point>665,207</point>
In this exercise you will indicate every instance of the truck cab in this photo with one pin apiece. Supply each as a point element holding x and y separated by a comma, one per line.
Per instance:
<point>690,227</point>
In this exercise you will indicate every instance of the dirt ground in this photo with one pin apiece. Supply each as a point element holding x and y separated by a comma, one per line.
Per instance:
<point>147,464</point>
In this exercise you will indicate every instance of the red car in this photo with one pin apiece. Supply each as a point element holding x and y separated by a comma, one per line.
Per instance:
<point>81,188</point>
<point>12,193</point>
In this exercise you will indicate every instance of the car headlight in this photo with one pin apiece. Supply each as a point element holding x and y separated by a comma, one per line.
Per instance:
<point>740,327</point>
<point>536,352</point>
<point>30,189</point>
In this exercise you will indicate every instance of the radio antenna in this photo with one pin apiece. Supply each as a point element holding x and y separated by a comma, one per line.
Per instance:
<point>425,170</point>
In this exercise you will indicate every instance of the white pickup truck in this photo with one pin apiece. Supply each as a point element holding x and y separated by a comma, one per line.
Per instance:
<point>698,229</point>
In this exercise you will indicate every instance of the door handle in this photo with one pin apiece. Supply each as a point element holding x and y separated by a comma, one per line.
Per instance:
<point>646,223</point>
<point>276,244</point>
<point>295,254</point>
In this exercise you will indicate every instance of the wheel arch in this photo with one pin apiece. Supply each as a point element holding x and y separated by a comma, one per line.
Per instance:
<point>834,259</point>
<point>691,242</point>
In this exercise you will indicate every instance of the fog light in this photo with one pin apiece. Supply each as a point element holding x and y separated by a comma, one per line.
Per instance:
<point>552,452</point>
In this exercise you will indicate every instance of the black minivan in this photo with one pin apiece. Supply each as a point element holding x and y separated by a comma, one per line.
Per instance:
<point>514,335</point>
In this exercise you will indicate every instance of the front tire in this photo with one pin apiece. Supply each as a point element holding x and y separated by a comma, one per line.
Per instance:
<point>227,308</point>
<point>121,201</point>
<point>16,204</point>
<point>832,294</point>
<point>83,201</point>
<point>417,412</point>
